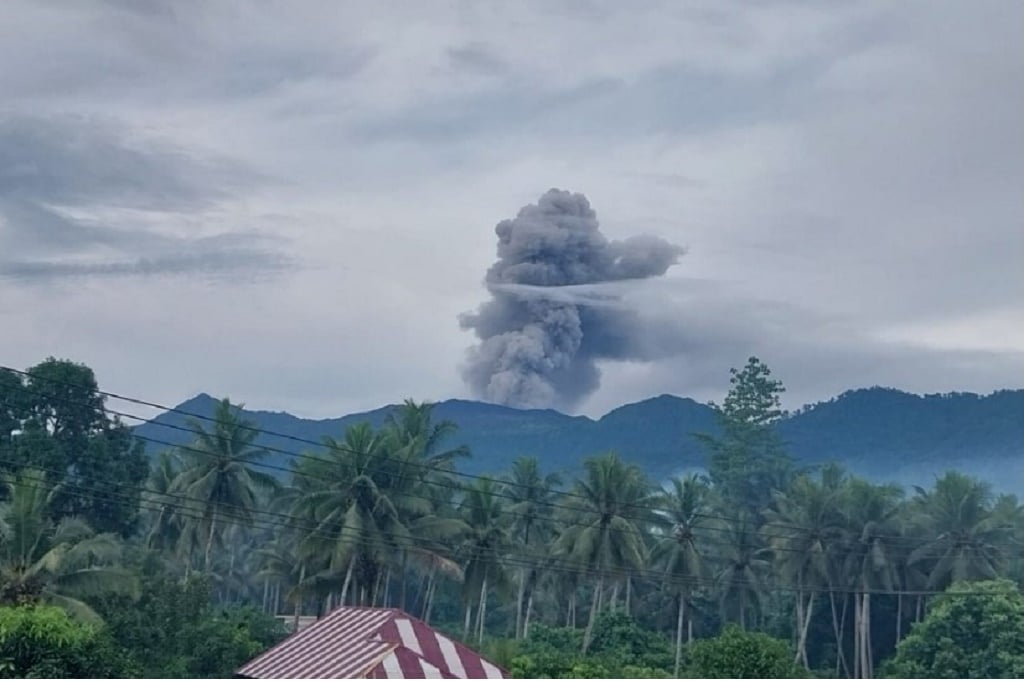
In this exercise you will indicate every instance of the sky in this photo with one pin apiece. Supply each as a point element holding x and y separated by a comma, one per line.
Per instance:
<point>292,202</point>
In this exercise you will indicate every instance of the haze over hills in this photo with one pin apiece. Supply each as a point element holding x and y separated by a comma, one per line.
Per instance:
<point>878,432</point>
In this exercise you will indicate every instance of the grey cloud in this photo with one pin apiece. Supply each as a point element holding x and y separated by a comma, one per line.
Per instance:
<point>539,346</point>
<point>477,58</point>
<point>694,331</point>
<point>52,167</point>
<point>249,263</point>
<point>167,52</point>
<point>73,160</point>
<point>670,99</point>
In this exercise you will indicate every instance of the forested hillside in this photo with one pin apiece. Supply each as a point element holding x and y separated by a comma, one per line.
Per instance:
<point>878,432</point>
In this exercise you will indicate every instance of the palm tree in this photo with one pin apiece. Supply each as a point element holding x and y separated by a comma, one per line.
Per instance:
<point>804,529</point>
<point>487,538</point>
<point>279,563</point>
<point>423,482</point>
<point>59,563</point>
<point>683,515</point>
<point>165,525</point>
<point>871,547</point>
<point>610,511</point>
<point>532,496</point>
<point>966,532</point>
<point>357,517</point>
<point>741,566</point>
<point>218,477</point>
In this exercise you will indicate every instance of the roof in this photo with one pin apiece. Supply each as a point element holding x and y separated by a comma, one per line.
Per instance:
<point>375,643</point>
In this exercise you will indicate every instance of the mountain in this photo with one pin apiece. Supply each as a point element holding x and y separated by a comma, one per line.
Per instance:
<point>878,432</point>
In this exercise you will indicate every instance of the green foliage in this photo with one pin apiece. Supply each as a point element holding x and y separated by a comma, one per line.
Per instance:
<point>974,630</point>
<point>44,642</point>
<point>58,562</point>
<point>64,431</point>
<point>174,632</point>
<point>738,654</point>
<point>620,649</point>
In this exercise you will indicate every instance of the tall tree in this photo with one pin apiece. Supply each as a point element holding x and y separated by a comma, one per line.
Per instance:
<point>422,485</point>
<point>533,499</point>
<point>742,567</point>
<point>487,540</point>
<point>804,530</point>
<point>870,564</point>
<point>218,476</point>
<point>966,536</point>
<point>57,422</point>
<point>747,460</point>
<point>357,513</point>
<point>683,517</point>
<point>610,511</point>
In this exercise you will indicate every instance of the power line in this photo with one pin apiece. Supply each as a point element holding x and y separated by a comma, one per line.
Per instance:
<point>441,484</point>
<point>553,564</point>
<point>339,447</point>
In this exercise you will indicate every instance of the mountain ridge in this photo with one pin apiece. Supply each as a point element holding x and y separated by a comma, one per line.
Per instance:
<point>880,432</point>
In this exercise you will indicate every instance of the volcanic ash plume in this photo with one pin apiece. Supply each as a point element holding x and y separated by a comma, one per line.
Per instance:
<point>543,330</point>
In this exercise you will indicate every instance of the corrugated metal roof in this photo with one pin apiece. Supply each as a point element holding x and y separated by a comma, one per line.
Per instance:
<point>373,643</point>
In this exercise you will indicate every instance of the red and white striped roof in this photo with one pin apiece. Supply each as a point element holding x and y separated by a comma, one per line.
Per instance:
<point>370,643</point>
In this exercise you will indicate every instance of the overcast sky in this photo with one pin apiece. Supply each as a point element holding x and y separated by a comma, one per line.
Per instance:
<point>291,202</point>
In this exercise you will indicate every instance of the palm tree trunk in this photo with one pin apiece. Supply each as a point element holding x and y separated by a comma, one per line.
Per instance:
<point>804,629</point>
<point>482,611</point>
<point>595,604</point>
<point>348,579</point>
<point>465,628</point>
<point>800,624</point>
<point>529,611</point>
<point>679,633</point>
<point>386,598</point>
<point>857,656</point>
<point>209,543</point>
<point>423,591</point>
<point>428,598</point>
<point>689,631</point>
<point>743,609</point>
<point>403,604</point>
<point>899,617</point>
<point>869,663</point>
<point>918,610</point>
<point>838,628</point>
<point>615,597</point>
<point>231,574</point>
<point>519,602</point>
<point>863,629</point>
<point>298,597</point>
<point>266,594</point>
<point>376,588</point>
<point>629,593</point>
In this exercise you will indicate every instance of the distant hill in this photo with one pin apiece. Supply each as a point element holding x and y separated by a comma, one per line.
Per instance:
<point>878,432</point>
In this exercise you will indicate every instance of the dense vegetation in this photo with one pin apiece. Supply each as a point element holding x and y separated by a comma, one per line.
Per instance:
<point>879,433</point>
<point>174,566</point>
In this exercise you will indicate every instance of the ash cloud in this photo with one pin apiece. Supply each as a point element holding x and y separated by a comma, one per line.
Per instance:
<point>547,322</point>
